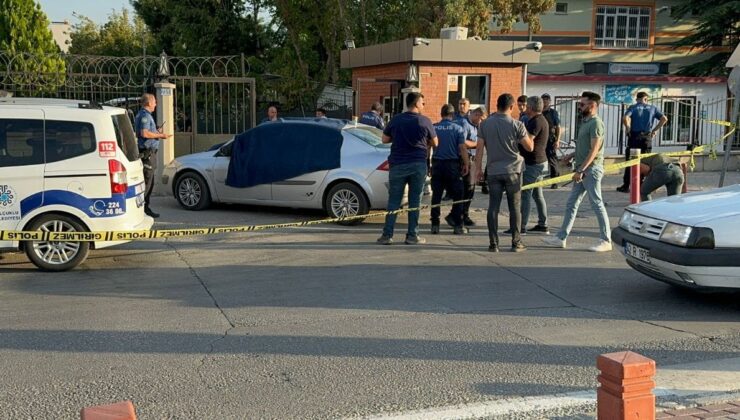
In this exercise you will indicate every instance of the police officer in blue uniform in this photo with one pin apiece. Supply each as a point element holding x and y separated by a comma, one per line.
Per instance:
<point>373,117</point>
<point>148,136</point>
<point>450,164</point>
<point>638,122</point>
<point>471,142</point>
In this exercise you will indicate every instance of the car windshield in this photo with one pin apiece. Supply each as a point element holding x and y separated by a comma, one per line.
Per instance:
<point>369,135</point>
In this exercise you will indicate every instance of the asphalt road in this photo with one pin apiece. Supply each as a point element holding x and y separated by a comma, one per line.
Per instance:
<point>321,322</point>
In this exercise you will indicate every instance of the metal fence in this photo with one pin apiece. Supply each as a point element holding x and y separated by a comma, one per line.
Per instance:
<point>688,121</point>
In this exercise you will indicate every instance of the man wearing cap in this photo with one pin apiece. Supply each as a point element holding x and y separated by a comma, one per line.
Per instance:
<point>553,141</point>
<point>638,123</point>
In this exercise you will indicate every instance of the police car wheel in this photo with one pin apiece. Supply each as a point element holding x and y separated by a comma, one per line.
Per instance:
<point>52,255</point>
<point>346,199</point>
<point>191,191</point>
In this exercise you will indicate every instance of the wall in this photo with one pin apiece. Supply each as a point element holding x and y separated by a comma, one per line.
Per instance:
<point>567,38</point>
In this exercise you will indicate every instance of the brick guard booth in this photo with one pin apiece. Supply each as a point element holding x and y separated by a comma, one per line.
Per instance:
<point>444,69</point>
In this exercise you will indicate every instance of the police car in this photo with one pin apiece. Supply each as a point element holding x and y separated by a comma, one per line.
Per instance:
<point>67,166</point>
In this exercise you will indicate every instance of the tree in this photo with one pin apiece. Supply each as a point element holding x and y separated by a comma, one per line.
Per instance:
<point>26,38</point>
<point>120,36</point>
<point>717,25</point>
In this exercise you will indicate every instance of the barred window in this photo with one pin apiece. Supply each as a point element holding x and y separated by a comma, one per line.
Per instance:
<point>622,27</point>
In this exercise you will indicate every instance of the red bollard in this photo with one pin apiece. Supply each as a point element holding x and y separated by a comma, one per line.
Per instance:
<point>635,178</point>
<point>123,410</point>
<point>626,391</point>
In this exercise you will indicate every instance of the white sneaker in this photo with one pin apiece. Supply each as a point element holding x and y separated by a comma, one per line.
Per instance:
<point>603,246</point>
<point>554,241</point>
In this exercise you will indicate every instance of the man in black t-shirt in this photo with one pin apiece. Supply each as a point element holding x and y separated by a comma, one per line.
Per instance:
<point>553,142</point>
<point>535,165</point>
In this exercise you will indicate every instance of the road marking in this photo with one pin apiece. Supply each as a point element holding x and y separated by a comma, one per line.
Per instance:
<point>700,379</point>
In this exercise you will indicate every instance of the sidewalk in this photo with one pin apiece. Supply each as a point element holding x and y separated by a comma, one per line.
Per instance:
<point>726,411</point>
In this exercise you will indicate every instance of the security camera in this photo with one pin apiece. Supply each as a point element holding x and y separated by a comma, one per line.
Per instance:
<point>537,46</point>
<point>418,41</point>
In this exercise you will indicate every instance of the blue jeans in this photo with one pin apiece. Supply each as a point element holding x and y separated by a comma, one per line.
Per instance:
<point>413,175</point>
<point>534,173</point>
<point>591,185</point>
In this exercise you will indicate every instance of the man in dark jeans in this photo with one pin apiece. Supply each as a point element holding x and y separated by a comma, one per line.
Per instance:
<point>500,136</point>
<point>553,141</point>
<point>638,123</point>
<point>411,135</point>
<point>148,137</point>
<point>660,170</point>
<point>450,163</point>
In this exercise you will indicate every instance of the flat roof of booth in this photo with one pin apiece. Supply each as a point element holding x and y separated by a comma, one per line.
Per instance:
<point>441,51</point>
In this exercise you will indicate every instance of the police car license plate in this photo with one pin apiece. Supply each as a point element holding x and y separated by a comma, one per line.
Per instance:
<point>636,252</point>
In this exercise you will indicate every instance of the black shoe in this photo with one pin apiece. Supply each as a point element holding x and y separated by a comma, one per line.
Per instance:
<point>460,230</point>
<point>435,229</point>
<point>150,213</point>
<point>521,232</point>
<point>449,220</point>
<point>492,248</point>
<point>484,189</point>
<point>554,186</point>
<point>540,228</point>
<point>468,222</point>
<point>518,247</point>
<point>624,189</point>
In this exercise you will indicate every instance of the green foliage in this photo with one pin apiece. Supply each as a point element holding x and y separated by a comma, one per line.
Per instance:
<point>120,36</point>
<point>717,24</point>
<point>25,36</point>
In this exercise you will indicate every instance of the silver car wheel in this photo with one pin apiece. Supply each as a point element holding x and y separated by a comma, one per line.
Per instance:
<point>54,252</point>
<point>345,203</point>
<point>189,192</point>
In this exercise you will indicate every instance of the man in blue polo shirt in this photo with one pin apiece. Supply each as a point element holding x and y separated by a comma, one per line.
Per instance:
<point>638,123</point>
<point>450,163</point>
<point>411,135</point>
<point>373,117</point>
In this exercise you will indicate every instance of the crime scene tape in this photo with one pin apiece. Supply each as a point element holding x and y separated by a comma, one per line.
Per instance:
<point>135,235</point>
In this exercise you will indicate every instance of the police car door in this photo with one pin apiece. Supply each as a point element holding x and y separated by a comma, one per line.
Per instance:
<point>21,165</point>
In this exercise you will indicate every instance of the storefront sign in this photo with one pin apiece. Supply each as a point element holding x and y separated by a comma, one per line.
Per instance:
<point>634,69</point>
<point>625,94</point>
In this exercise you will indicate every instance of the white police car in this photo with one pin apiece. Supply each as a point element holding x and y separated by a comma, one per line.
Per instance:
<point>67,166</point>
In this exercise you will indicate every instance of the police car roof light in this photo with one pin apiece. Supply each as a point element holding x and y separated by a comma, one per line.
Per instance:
<point>90,105</point>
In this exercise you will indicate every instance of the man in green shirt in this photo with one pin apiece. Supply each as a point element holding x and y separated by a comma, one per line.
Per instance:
<point>660,170</point>
<point>589,160</point>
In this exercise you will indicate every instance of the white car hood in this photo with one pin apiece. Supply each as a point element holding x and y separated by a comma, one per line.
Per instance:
<point>201,157</point>
<point>694,208</point>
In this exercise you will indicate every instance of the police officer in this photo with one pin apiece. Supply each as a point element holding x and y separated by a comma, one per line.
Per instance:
<point>373,117</point>
<point>450,163</point>
<point>638,122</point>
<point>660,170</point>
<point>553,142</point>
<point>471,142</point>
<point>148,136</point>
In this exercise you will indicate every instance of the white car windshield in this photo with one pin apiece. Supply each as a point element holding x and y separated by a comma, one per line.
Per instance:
<point>369,135</point>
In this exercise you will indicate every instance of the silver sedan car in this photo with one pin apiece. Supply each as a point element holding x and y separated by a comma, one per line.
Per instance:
<point>357,183</point>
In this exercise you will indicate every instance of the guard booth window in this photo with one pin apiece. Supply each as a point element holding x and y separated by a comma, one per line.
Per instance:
<point>21,142</point>
<point>473,87</point>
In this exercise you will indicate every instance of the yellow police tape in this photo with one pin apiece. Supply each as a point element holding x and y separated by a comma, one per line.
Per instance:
<point>133,235</point>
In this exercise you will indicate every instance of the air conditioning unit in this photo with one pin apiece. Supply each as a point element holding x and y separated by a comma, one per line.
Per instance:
<point>455,32</point>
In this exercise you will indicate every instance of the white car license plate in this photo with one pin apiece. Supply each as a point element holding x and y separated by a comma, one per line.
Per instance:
<point>634,251</point>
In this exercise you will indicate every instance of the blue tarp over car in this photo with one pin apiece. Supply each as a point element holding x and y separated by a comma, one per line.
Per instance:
<point>278,151</point>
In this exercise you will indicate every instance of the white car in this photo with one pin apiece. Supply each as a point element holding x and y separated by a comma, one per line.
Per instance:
<point>67,166</point>
<point>690,240</point>
<point>356,183</point>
